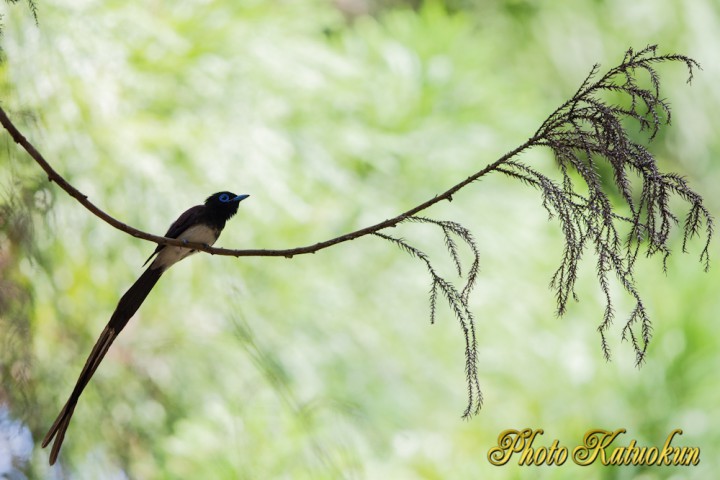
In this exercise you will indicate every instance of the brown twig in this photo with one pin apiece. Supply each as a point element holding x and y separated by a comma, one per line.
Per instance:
<point>54,176</point>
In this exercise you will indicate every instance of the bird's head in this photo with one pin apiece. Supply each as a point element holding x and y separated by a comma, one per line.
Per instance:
<point>225,202</point>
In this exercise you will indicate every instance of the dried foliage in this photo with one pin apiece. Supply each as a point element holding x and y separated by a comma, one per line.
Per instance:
<point>458,300</point>
<point>582,133</point>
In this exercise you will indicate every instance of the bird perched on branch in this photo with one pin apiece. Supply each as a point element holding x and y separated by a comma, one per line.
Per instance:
<point>199,224</point>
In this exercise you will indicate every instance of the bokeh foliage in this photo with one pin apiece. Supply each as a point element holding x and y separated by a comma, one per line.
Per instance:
<point>326,366</point>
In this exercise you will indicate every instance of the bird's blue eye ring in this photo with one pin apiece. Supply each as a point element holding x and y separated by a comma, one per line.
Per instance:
<point>224,198</point>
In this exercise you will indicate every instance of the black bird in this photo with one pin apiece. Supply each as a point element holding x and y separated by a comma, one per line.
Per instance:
<point>199,224</point>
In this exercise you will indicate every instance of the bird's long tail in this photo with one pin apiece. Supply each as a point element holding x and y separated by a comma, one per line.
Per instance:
<point>127,306</point>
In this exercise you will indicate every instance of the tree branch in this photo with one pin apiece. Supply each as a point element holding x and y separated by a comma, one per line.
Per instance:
<point>54,176</point>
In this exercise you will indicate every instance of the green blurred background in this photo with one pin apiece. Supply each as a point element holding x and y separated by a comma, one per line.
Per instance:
<point>332,116</point>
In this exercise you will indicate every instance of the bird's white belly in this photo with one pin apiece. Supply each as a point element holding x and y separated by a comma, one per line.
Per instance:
<point>170,255</point>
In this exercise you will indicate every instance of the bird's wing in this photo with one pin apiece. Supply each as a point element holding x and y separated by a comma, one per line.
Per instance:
<point>179,226</point>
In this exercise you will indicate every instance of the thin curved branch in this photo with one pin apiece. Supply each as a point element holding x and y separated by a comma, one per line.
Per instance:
<point>54,176</point>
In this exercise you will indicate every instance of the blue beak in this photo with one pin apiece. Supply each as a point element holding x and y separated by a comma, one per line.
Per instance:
<point>240,198</point>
